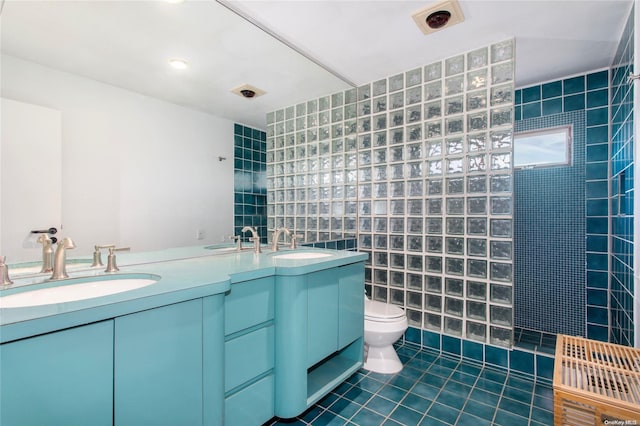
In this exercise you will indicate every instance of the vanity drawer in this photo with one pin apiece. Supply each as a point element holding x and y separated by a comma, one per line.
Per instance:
<point>248,356</point>
<point>252,405</point>
<point>248,303</point>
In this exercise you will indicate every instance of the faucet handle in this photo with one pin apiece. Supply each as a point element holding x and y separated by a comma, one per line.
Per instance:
<point>238,240</point>
<point>97,258</point>
<point>111,258</point>
<point>294,238</point>
<point>4,272</point>
<point>256,244</point>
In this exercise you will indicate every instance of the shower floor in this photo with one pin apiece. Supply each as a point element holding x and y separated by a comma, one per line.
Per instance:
<point>534,340</point>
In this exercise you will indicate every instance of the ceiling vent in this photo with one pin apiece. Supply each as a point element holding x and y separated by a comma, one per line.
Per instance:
<point>248,91</point>
<point>438,16</point>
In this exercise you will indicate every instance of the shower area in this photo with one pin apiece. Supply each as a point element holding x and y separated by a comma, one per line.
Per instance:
<point>573,223</point>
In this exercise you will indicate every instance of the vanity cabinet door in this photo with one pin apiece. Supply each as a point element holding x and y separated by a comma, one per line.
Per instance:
<point>322,311</point>
<point>351,304</point>
<point>158,366</point>
<point>61,378</point>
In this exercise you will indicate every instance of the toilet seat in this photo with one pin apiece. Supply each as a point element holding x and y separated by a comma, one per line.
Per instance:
<point>382,312</point>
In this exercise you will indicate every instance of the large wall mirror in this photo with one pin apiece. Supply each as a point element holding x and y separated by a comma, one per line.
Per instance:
<point>103,140</point>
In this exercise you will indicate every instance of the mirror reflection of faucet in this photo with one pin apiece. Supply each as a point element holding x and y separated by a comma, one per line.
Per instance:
<point>255,238</point>
<point>47,252</point>
<point>111,258</point>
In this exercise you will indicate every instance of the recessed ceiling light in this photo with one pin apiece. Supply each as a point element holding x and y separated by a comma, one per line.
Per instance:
<point>174,1</point>
<point>178,64</point>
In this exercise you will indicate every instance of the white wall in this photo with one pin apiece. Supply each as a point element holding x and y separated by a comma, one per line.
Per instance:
<point>136,171</point>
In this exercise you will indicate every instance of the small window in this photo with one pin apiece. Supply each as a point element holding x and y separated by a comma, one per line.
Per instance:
<point>548,147</point>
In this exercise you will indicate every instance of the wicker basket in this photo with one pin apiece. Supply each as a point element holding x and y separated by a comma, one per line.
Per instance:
<point>595,383</point>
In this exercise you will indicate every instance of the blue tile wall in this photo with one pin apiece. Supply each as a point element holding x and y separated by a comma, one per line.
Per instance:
<point>622,192</point>
<point>549,236</point>
<point>350,244</point>
<point>250,187</point>
<point>567,293</point>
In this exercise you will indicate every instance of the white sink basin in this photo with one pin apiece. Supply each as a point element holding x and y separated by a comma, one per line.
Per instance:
<point>301,255</point>
<point>73,292</point>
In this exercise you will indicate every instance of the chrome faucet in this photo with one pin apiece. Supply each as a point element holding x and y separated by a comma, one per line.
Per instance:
<point>276,237</point>
<point>255,238</point>
<point>4,272</point>
<point>60,257</point>
<point>47,253</point>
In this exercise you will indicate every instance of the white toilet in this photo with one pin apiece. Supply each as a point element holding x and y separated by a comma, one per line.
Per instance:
<point>384,324</point>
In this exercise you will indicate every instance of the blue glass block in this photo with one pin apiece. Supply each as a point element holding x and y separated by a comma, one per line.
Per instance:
<point>237,129</point>
<point>341,244</point>
<point>552,90</point>
<point>597,189</point>
<point>544,366</point>
<point>518,97</point>
<point>597,243</point>
<point>597,297</point>
<point>598,134</point>
<point>597,116</point>
<point>431,339</point>
<point>599,152</point>
<point>597,279</point>
<point>255,134</point>
<point>496,356</point>
<point>598,170</point>
<point>597,80</point>
<point>247,131</point>
<point>573,85</point>
<point>530,94</point>
<point>451,345</point>
<point>531,110</point>
<point>574,103</point>
<point>597,332</point>
<point>552,106</point>
<point>263,138</point>
<point>521,361</point>
<point>597,98</point>
<point>597,315</point>
<point>473,350</point>
<point>413,335</point>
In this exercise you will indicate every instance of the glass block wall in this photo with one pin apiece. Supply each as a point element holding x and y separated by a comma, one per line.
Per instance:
<point>418,167</point>
<point>622,191</point>
<point>250,190</point>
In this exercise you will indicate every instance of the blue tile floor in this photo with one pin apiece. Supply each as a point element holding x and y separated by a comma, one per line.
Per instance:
<point>433,389</point>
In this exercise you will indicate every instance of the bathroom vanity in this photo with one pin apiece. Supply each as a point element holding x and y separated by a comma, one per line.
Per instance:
<point>222,337</point>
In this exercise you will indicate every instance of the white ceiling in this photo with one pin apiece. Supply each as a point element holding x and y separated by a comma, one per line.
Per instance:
<point>128,43</point>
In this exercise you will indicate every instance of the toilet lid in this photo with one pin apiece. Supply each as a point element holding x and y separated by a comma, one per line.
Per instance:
<point>381,311</point>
